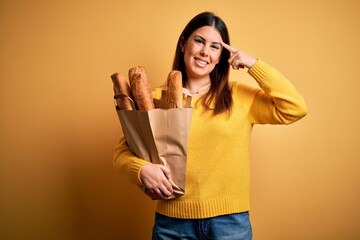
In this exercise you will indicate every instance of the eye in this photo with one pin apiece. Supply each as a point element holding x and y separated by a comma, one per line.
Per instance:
<point>199,40</point>
<point>215,46</point>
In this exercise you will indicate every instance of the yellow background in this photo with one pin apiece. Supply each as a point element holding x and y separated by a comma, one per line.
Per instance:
<point>58,126</point>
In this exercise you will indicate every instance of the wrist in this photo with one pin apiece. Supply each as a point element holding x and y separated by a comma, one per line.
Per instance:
<point>250,62</point>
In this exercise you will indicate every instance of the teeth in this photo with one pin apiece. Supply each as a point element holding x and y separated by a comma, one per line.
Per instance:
<point>201,62</point>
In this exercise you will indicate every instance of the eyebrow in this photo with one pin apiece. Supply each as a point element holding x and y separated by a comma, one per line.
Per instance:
<point>205,39</point>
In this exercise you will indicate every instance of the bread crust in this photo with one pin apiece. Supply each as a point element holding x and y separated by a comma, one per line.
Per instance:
<point>121,87</point>
<point>141,89</point>
<point>174,94</point>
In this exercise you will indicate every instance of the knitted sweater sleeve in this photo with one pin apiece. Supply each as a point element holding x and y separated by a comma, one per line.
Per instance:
<point>125,162</point>
<point>278,102</point>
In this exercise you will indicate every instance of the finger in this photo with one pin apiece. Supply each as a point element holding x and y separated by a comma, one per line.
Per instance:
<point>236,62</point>
<point>228,47</point>
<point>166,171</point>
<point>152,195</point>
<point>155,196</point>
<point>158,192</point>
<point>233,58</point>
<point>165,193</point>
<point>168,186</point>
<point>161,193</point>
<point>238,67</point>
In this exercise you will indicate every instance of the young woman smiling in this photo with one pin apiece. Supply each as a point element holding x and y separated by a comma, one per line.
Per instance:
<point>216,203</point>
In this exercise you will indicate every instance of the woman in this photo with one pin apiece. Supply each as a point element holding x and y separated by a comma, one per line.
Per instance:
<point>216,202</point>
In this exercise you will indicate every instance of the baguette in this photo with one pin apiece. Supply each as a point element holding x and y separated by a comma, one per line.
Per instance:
<point>141,89</point>
<point>174,95</point>
<point>121,86</point>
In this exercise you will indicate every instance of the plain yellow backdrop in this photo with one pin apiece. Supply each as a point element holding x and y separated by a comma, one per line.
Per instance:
<point>58,126</point>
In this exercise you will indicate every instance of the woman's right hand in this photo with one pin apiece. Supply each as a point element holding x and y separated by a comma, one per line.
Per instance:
<point>155,178</point>
<point>238,58</point>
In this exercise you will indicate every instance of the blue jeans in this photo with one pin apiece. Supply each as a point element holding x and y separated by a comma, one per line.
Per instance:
<point>226,227</point>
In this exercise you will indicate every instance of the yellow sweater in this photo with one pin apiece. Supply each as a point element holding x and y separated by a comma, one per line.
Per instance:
<point>218,163</point>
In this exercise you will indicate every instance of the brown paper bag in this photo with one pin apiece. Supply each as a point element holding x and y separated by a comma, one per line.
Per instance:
<point>160,136</point>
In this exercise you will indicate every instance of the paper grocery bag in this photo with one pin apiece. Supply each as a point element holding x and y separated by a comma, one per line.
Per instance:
<point>160,136</point>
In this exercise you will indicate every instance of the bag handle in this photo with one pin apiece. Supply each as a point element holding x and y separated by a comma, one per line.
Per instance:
<point>121,95</point>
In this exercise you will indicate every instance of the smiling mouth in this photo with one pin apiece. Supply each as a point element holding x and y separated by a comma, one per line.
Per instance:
<point>201,62</point>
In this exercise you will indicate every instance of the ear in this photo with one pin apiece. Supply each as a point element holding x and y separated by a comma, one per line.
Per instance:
<point>182,47</point>
<point>182,44</point>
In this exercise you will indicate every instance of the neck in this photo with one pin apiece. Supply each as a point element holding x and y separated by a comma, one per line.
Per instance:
<point>198,86</point>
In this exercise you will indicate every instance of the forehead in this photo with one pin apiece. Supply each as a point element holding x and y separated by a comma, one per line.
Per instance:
<point>210,33</point>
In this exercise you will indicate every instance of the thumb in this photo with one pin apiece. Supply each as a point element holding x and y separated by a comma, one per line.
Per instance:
<point>166,171</point>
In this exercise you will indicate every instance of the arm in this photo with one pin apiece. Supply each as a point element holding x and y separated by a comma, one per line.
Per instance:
<point>278,102</point>
<point>153,177</point>
<point>127,163</point>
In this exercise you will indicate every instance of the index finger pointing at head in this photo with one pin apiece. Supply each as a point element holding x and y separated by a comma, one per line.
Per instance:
<point>228,47</point>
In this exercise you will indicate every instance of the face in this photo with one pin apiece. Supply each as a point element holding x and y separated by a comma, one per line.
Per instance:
<point>202,52</point>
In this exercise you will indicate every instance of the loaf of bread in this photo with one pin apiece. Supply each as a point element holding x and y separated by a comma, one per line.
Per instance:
<point>141,89</point>
<point>121,90</point>
<point>174,95</point>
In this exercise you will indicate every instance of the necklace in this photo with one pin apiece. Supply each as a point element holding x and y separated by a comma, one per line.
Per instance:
<point>201,89</point>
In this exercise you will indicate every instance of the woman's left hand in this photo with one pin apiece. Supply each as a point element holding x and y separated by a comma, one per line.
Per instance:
<point>239,59</point>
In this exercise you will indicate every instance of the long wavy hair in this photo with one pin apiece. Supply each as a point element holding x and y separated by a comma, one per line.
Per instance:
<point>220,91</point>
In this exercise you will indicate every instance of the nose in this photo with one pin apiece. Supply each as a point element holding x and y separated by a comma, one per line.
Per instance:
<point>204,51</point>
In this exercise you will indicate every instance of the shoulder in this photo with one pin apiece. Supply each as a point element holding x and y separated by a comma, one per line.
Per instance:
<point>241,90</point>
